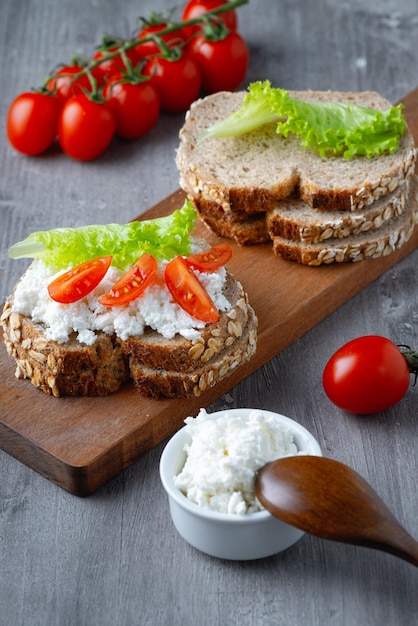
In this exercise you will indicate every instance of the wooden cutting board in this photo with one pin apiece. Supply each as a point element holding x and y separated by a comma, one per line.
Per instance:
<point>81,443</point>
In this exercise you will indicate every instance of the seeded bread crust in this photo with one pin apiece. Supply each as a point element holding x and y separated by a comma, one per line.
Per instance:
<point>373,244</point>
<point>184,355</point>
<point>159,382</point>
<point>251,172</point>
<point>294,219</point>
<point>70,369</point>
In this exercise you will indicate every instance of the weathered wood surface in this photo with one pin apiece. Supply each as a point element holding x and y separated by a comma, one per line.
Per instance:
<point>114,558</point>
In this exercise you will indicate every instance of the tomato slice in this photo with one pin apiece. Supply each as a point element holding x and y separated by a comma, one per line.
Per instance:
<point>133,283</point>
<point>212,259</point>
<point>188,291</point>
<point>79,281</point>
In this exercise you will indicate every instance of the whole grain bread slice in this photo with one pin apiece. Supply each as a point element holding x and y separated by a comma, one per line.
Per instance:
<point>185,355</point>
<point>372,244</point>
<point>70,369</point>
<point>294,219</point>
<point>251,172</point>
<point>158,382</point>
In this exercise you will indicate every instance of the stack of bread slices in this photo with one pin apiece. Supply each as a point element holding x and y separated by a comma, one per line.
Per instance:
<point>261,187</point>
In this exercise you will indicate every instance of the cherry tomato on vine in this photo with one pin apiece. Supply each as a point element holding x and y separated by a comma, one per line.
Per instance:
<point>366,375</point>
<point>32,122</point>
<point>136,106</point>
<point>79,281</point>
<point>151,48</point>
<point>133,283</point>
<point>223,63</point>
<point>196,8</point>
<point>189,292</point>
<point>178,81</point>
<point>103,71</point>
<point>85,128</point>
<point>210,260</point>
<point>63,85</point>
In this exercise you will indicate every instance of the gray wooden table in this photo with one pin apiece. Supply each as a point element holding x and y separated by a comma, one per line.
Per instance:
<point>114,558</point>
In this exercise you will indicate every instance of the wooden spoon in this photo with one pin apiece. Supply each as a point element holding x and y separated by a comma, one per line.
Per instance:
<point>330,500</point>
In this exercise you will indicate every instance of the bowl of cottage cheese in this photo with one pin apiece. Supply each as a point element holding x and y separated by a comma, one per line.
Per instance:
<point>208,469</point>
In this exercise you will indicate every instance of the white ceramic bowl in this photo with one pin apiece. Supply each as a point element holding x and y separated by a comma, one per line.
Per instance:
<point>223,535</point>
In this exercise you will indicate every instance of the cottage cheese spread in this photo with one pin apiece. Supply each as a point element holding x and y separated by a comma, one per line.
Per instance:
<point>155,309</point>
<point>224,456</point>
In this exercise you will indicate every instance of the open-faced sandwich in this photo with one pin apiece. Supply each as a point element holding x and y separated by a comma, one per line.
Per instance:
<point>144,301</point>
<point>323,176</point>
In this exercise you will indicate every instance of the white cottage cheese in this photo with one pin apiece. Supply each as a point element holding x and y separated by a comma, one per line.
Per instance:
<point>224,456</point>
<point>155,308</point>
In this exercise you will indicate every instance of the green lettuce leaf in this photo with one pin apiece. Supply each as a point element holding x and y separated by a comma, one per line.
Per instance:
<point>163,237</point>
<point>331,129</point>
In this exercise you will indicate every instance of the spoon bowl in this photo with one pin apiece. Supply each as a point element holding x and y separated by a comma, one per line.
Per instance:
<point>330,500</point>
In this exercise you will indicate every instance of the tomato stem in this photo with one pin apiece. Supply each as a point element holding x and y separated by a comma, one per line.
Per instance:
<point>411,357</point>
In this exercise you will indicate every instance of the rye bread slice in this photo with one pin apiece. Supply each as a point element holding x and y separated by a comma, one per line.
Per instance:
<point>294,219</point>
<point>185,355</point>
<point>158,382</point>
<point>372,244</point>
<point>70,369</point>
<point>253,171</point>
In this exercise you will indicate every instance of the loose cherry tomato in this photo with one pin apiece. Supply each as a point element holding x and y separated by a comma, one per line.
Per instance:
<point>178,81</point>
<point>136,106</point>
<point>79,281</point>
<point>85,128</point>
<point>32,122</point>
<point>196,8</point>
<point>133,283</point>
<point>151,48</point>
<point>114,65</point>
<point>188,291</point>
<point>367,375</point>
<point>63,84</point>
<point>210,260</point>
<point>223,63</point>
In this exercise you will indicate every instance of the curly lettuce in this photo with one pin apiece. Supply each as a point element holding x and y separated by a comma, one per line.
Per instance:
<point>163,237</point>
<point>331,129</point>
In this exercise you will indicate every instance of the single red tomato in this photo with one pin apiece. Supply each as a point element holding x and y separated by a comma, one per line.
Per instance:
<point>114,65</point>
<point>151,47</point>
<point>63,84</point>
<point>188,291</point>
<point>32,122</point>
<point>223,63</point>
<point>133,283</point>
<point>136,106</point>
<point>196,8</point>
<point>85,128</point>
<point>178,81</point>
<point>210,260</point>
<point>366,375</point>
<point>79,281</point>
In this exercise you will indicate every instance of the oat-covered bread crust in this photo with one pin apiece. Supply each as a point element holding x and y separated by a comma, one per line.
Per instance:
<point>369,245</point>
<point>251,172</point>
<point>169,383</point>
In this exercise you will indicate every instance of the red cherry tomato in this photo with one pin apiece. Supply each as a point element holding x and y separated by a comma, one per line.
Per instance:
<point>112,66</point>
<point>151,48</point>
<point>223,63</point>
<point>32,122</point>
<point>133,283</point>
<point>79,281</point>
<point>63,85</point>
<point>196,8</point>
<point>178,81</point>
<point>136,106</point>
<point>188,291</point>
<point>85,128</point>
<point>210,260</point>
<point>367,375</point>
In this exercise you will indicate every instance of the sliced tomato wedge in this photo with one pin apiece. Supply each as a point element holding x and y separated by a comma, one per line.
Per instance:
<point>79,281</point>
<point>212,259</point>
<point>133,283</point>
<point>188,291</point>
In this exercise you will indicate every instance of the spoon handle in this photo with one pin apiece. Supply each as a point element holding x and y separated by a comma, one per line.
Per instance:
<point>398,543</point>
